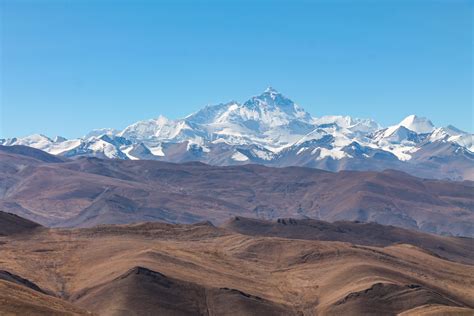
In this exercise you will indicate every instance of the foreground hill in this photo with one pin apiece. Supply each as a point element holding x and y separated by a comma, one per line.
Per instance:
<point>148,268</point>
<point>91,191</point>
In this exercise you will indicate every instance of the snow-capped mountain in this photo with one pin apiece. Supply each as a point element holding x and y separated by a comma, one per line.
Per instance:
<point>271,129</point>
<point>408,129</point>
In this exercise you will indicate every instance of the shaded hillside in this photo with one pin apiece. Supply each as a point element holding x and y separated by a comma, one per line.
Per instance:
<point>13,278</point>
<point>13,224</point>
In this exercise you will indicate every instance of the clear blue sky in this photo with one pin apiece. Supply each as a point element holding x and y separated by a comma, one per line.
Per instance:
<point>71,66</point>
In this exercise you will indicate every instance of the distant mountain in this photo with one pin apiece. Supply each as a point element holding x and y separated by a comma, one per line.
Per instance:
<point>271,129</point>
<point>11,224</point>
<point>89,191</point>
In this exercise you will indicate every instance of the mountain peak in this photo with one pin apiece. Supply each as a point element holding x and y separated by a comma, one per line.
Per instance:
<point>59,139</point>
<point>271,90</point>
<point>274,106</point>
<point>161,120</point>
<point>417,124</point>
<point>269,98</point>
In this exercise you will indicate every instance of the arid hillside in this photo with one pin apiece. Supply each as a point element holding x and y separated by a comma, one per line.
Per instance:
<point>177,269</point>
<point>368,234</point>
<point>89,191</point>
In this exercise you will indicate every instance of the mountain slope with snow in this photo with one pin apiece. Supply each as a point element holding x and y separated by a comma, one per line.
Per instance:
<point>273,130</point>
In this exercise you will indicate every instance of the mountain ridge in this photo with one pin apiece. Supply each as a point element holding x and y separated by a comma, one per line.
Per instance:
<point>270,129</point>
<point>89,191</point>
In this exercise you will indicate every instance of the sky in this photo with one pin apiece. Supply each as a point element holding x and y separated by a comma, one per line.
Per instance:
<point>67,67</point>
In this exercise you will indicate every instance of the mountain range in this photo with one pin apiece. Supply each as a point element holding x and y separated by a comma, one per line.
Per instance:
<point>60,192</point>
<point>272,130</point>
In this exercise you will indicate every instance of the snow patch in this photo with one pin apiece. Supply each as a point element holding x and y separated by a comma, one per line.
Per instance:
<point>238,156</point>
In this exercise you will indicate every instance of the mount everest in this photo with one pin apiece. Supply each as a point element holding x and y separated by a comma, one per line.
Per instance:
<point>271,129</point>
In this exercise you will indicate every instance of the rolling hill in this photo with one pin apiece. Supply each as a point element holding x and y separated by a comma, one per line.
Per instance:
<point>177,269</point>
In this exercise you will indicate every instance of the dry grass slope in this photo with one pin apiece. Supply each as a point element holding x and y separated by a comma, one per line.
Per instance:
<point>202,269</point>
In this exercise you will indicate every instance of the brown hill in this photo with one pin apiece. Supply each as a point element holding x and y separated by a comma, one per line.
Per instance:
<point>14,224</point>
<point>369,234</point>
<point>387,299</point>
<point>91,191</point>
<point>200,268</point>
<point>141,291</point>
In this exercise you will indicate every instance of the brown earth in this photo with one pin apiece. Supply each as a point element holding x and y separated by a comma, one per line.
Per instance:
<point>158,268</point>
